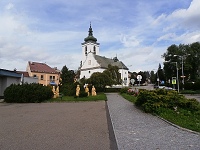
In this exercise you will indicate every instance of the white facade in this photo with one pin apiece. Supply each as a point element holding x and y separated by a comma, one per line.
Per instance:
<point>90,64</point>
<point>89,47</point>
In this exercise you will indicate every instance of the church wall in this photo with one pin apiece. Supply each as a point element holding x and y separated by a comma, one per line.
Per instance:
<point>90,48</point>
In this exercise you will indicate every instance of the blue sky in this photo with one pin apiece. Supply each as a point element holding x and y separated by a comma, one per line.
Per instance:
<point>137,31</point>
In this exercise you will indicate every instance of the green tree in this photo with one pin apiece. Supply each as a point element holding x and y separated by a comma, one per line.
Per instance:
<point>100,80</point>
<point>67,81</point>
<point>113,73</point>
<point>189,55</point>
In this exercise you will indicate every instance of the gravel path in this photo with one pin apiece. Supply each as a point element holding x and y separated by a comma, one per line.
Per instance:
<point>54,126</point>
<point>136,130</point>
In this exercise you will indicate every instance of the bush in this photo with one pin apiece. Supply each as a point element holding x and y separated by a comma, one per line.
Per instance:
<point>124,90</point>
<point>151,101</point>
<point>27,93</point>
<point>83,94</point>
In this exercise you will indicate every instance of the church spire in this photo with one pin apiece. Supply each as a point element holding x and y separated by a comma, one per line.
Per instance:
<point>90,35</point>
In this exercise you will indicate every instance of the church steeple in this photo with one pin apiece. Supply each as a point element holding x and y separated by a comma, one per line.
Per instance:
<point>90,46</point>
<point>90,35</point>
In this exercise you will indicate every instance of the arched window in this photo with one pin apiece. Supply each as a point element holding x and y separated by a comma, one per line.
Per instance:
<point>94,50</point>
<point>86,51</point>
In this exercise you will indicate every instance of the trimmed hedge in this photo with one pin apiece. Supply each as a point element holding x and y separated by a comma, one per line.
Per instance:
<point>27,93</point>
<point>151,101</point>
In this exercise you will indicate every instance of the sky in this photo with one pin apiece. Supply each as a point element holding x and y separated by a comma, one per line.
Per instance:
<point>138,32</point>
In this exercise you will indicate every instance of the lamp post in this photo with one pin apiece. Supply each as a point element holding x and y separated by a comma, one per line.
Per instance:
<point>176,73</point>
<point>182,68</point>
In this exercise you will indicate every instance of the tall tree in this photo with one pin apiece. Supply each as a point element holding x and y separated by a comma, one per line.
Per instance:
<point>187,58</point>
<point>67,81</point>
<point>113,73</point>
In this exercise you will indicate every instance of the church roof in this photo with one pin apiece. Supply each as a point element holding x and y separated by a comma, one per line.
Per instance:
<point>104,62</point>
<point>90,36</point>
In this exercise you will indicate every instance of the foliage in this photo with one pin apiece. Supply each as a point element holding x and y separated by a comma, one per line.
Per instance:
<point>192,85</point>
<point>172,107</point>
<point>129,97</point>
<point>27,93</point>
<point>182,117</point>
<point>189,54</point>
<point>110,90</point>
<point>151,101</point>
<point>67,81</point>
<point>113,73</point>
<point>124,90</point>
<point>67,76</point>
<point>100,80</point>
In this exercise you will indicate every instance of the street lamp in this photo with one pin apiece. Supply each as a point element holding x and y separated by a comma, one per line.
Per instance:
<point>182,57</point>
<point>176,73</point>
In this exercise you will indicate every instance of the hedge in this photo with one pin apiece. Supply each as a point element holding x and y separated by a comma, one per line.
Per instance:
<point>27,93</point>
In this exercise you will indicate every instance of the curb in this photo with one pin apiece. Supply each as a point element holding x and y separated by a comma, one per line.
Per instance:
<point>181,128</point>
<point>113,141</point>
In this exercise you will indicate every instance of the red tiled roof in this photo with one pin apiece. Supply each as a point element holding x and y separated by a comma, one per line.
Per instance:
<point>24,73</point>
<point>41,67</point>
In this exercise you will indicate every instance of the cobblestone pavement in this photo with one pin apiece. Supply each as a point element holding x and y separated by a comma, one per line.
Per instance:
<point>54,126</point>
<point>136,130</point>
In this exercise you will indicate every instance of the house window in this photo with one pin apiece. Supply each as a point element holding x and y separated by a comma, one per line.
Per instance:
<point>42,77</point>
<point>34,76</point>
<point>89,62</point>
<point>50,78</point>
<point>89,71</point>
<point>53,78</point>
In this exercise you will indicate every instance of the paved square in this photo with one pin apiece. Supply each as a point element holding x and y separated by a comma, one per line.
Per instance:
<point>81,125</point>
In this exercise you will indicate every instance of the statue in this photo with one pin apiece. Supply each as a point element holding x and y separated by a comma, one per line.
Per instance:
<point>87,90</point>
<point>54,92</point>
<point>57,91</point>
<point>77,90</point>
<point>93,91</point>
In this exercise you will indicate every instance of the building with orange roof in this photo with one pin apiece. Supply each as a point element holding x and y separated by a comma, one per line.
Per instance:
<point>45,74</point>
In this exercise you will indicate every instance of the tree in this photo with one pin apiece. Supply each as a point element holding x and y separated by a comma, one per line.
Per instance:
<point>67,81</point>
<point>100,80</point>
<point>189,55</point>
<point>113,73</point>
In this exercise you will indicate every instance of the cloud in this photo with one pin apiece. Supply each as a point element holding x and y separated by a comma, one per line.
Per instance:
<point>9,6</point>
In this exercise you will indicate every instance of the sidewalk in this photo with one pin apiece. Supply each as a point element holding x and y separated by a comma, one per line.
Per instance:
<point>136,130</point>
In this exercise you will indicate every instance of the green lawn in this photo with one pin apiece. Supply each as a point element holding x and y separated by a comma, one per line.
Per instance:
<point>181,117</point>
<point>98,97</point>
<point>128,97</point>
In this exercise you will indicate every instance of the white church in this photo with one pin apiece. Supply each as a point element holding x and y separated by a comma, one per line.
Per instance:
<point>93,62</point>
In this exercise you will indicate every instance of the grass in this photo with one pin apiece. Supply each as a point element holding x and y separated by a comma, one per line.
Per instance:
<point>181,117</point>
<point>98,97</point>
<point>128,97</point>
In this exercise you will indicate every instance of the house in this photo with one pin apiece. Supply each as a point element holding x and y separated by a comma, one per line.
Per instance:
<point>93,62</point>
<point>26,78</point>
<point>7,78</point>
<point>45,74</point>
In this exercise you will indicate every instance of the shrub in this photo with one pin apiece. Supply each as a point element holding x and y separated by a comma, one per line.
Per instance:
<point>27,93</point>
<point>124,90</point>
<point>83,94</point>
<point>151,101</point>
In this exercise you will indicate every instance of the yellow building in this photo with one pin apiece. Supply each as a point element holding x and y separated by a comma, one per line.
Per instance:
<point>45,74</point>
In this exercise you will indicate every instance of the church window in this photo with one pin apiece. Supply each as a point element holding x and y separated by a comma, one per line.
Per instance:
<point>94,50</point>
<point>86,50</point>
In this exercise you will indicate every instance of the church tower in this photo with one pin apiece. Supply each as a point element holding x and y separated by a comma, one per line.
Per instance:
<point>90,45</point>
